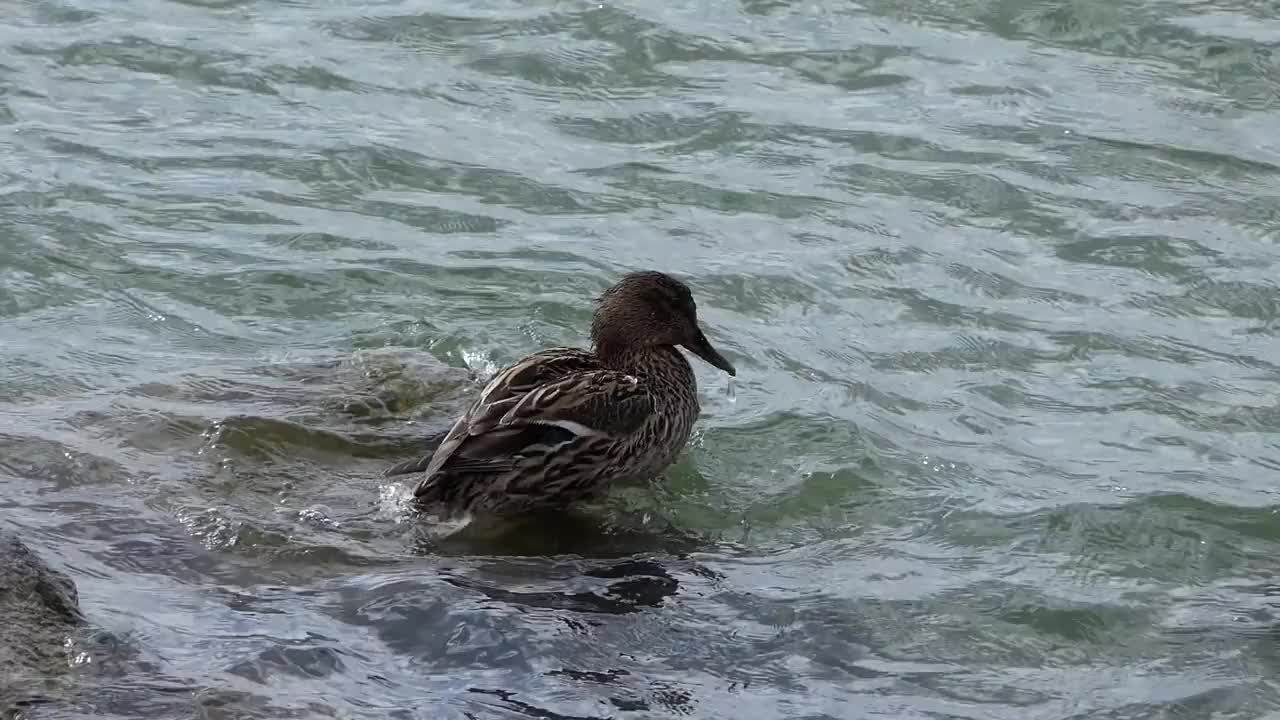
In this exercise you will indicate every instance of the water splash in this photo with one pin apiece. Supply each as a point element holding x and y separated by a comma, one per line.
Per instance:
<point>480,363</point>
<point>396,502</point>
<point>393,501</point>
<point>319,516</point>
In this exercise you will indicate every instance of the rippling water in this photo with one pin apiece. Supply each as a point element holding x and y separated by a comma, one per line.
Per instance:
<point>999,280</point>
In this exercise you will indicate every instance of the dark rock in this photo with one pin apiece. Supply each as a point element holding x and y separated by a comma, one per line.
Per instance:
<point>39,612</point>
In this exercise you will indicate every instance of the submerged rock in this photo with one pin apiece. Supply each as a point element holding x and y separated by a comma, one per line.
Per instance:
<point>39,611</point>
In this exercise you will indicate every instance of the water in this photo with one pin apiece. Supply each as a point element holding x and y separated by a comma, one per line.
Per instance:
<point>998,278</point>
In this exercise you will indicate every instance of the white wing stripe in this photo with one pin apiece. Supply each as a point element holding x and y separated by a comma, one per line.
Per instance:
<point>576,428</point>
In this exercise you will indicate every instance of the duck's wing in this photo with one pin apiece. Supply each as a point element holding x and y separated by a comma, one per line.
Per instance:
<point>500,394</point>
<point>595,405</point>
<point>536,370</point>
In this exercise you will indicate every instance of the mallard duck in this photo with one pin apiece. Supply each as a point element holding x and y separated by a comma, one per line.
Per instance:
<point>562,423</point>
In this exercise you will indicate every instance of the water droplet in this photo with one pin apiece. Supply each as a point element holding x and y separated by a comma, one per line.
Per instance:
<point>730,391</point>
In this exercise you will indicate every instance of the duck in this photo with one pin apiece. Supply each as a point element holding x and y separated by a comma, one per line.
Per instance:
<point>562,424</point>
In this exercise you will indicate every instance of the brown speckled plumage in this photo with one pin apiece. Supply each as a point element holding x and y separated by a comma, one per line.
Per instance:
<point>560,424</point>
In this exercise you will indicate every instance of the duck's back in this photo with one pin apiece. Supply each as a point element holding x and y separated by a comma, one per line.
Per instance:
<point>559,425</point>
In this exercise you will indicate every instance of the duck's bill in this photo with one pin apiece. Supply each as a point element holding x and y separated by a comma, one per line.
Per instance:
<point>701,347</point>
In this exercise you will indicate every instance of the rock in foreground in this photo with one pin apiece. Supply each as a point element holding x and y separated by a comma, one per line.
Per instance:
<point>39,610</point>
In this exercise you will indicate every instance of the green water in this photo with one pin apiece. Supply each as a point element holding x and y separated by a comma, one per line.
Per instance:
<point>998,279</point>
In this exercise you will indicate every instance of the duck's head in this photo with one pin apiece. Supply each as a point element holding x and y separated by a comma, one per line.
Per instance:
<point>647,309</point>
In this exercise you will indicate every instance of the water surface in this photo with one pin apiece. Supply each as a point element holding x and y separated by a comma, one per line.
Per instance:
<point>999,280</point>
